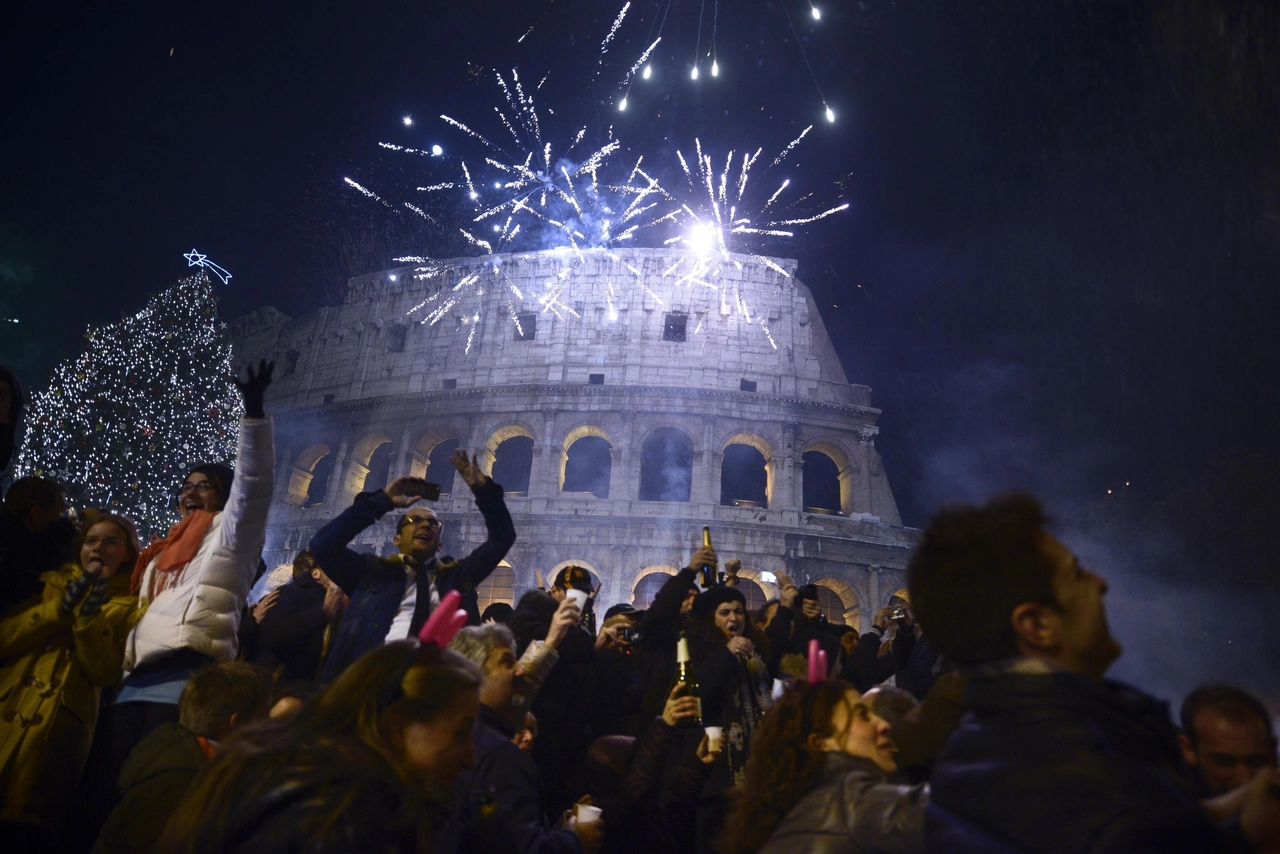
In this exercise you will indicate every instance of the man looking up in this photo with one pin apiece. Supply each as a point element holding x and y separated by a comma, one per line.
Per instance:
<point>392,597</point>
<point>1052,758</point>
<point>1226,737</point>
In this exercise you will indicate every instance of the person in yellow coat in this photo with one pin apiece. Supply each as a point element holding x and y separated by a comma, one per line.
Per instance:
<point>56,655</point>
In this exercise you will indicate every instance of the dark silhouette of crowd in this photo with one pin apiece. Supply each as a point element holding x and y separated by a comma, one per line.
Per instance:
<point>368,705</point>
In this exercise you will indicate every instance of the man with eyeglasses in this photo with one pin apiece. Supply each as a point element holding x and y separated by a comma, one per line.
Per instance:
<point>391,597</point>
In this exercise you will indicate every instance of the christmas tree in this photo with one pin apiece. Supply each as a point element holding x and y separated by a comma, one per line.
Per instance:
<point>121,423</point>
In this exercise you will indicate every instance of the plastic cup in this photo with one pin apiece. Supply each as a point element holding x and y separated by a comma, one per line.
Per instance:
<point>577,597</point>
<point>715,738</point>
<point>586,812</point>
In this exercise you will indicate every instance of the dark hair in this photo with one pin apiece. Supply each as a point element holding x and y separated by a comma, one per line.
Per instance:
<point>1232,703</point>
<point>218,691</point>
<point>303,562</point>
<point>971,568</point>
<point>221,476</point>
<point>890,703</point>
<point>809,591</point>
<point>264,795</point>
<point>532,618</point>
<point>499,612</point>
<point>28,493</point>
<point>783,766</point>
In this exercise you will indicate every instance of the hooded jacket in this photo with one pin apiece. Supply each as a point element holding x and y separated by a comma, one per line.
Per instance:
<point>201,610</point>
<point>52,671</point>
<point>853,810</point>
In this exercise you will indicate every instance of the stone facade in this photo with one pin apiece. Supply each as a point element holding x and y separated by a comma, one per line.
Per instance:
<point>603,360</point>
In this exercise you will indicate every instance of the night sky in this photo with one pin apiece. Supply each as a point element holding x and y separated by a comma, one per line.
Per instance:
<point>1060,269</point>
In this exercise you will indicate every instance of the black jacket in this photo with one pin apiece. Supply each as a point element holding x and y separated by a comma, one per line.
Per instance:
<point>1055,763</point>
<point>853,810</point>
<point>156,776</point>
<point>866,667</point>
<point>25,556</point>
<point>376,585</point>
<point>292,634</point>
<point>506,777</point>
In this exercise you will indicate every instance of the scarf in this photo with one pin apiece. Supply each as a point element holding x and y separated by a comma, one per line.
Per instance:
<point>172,554</point>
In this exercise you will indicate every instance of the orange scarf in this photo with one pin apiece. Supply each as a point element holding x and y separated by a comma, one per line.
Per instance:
<point>175,551</point>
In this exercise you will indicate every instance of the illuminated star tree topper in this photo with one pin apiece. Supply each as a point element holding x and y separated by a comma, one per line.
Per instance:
<point>151,395</point>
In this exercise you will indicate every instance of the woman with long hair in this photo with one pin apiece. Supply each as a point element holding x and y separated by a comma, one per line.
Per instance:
<point>57,653</point>
<point>817,781</point>
<point>393,732</point>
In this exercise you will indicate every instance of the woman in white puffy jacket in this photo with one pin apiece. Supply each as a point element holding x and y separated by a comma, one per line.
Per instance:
<point>194,583</point>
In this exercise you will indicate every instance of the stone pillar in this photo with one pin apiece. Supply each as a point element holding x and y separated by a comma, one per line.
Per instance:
<point>705,486</point>
<point>873,593</point>
<point>624,480</point>
<point>337,475</point>
<point>786,471</point>
<point>544,476</point>
<point>862,485</point>
<point>402,457</point>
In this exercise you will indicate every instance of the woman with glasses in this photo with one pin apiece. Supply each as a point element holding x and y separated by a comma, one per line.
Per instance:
<point>369,764</point>
<point>818,781</point>
<point>56,655</point>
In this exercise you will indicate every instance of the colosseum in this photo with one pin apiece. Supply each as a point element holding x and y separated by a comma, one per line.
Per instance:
<point>622,400</point>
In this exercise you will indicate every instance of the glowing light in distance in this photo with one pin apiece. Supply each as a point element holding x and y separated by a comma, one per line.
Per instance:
<point>392,277</point>
<point>817,13</point>
<point>436,151</point>
<point>831,116</point>
<point>622,105</point>
<point>693,75</point>
<point>408,121</point>
<point>768,577</point>
<point>648,72</point>
<point>497,185</point>
<point>715,68</point>
<point>195,259</point>
<point>702,239</point>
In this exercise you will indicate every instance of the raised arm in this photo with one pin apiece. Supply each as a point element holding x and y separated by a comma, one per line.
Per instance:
<point>477,566</point>
<point>329,545</point>
<point>244,518</point>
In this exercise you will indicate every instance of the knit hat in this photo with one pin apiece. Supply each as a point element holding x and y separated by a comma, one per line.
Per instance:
<point>219,474</point>
<point>707,602</point>
<point>575,578</point>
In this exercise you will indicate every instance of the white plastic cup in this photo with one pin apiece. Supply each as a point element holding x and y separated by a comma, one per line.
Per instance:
<point>586,812</point>
<point>715,738</point>
<point>577,597</point>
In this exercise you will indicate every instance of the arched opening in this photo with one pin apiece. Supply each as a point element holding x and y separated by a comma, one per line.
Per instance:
<point>744,478</point>
<point>439,469</point>
<point>310,476</point>
<point>838,601</point>
<point>648,582</point>
<point>666,466</point>
<point>816,478</point>
<point>821,477</point>
<point>588,465</point>
<point>361,460</point>
<point>500,586</point>
<point>379,467</point>
<point>753,592</point>
<point>512,464</point>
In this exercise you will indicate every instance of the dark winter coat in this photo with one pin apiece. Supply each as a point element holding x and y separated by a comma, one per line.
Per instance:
<point>376,585</point>
<point>152,783</point>
<point>917,663</point>
<point>506,777</point>
<point>1056,763</point>
<point>291,636</point>
<point>853,810</point>
<point>25,556</point>
<point>866,668</point>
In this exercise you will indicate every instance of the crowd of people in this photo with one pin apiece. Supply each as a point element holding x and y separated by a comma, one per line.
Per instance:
<point>146,706</point>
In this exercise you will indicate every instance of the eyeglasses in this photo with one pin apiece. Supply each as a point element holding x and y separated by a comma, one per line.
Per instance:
<point>429,521</point>
<point>109,542</point>
<point>201,487</point>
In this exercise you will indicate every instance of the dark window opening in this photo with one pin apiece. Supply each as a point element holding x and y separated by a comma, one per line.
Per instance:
<point>396,338</point>
<point>747,385</point>
<point>290,362</point>
<point>319,481</point>
<point>379,468</point>
<point>328,398</point>
<point>450,384</point>
<point>648,588</point>
<point>588,467</point>
<point>512,462</point>
<point>666,468</point>
<point>440,470</point>
<point>526,327</point>
<point>821,479</point>
<point>674,325</point>
<point>595,379</point>
<point>743,479</point>
<point>579,305</point>
<point>831,605</point>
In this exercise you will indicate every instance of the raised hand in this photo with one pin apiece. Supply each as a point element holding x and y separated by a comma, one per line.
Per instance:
<point>566,617</point>
<point>405,491</point>
<point>468,468</point>
<point>253,390</point>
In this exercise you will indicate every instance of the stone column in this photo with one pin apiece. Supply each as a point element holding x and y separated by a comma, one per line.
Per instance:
<point>873,592</point>
<point>705,487</point>
<point>862,485</point>
<point>402,457</point>
<point>337,475</point>
<point>544,475</point>
<point>624,480</point>
<point>786,469</point>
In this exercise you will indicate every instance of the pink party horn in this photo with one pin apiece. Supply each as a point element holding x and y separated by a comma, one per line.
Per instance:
<point>444,622</point>
<point>817,663</point>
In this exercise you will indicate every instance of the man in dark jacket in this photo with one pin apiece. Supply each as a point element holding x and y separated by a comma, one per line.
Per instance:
<point>1051,757</point>
<point>392,597</point>
<point>35,536</point>
<point>217,700</point>
<point>505,778</point>
<point>294,633</point>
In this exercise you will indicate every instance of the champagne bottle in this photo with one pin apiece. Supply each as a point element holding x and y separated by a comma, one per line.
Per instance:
<point>685,677</point>
<point>708,571</point>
